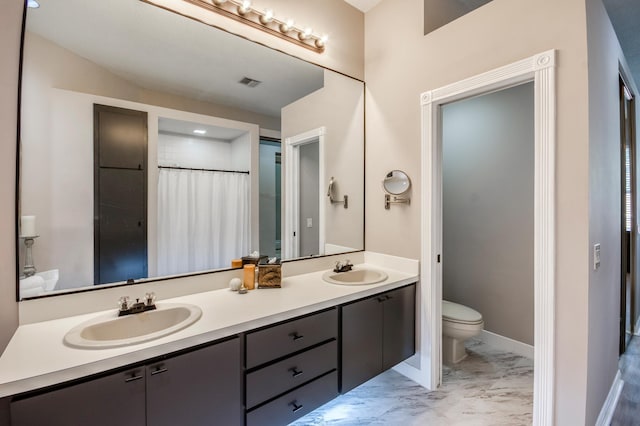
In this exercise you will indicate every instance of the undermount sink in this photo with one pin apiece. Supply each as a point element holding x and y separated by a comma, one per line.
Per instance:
<point>357,276</point>
<point>110,331</point>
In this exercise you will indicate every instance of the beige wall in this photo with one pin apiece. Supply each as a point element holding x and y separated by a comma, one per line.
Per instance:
<point>341,113</point>
<point>401,63</point>
<point>605,62</point>
<point>10,27</point>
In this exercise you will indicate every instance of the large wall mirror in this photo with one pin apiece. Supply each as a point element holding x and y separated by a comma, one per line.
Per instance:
<point>153,145</point>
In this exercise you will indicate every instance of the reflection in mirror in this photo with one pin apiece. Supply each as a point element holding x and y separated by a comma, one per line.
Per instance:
<point>396,182</point>
<point>162,148</point>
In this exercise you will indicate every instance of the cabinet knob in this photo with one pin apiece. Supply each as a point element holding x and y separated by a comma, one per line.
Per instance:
<point>295,336</point>
<point>159,369</point>
<point>295,372</point>
<point>295,405</point>
<point>133,377</point>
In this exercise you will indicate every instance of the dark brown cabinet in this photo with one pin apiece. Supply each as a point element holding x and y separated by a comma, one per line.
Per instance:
<point>120,194</point>
<point>377,333</point>
<point>201,387</point>
<point>291,368</point>
<point>116,399</point>
<point>268,376</point>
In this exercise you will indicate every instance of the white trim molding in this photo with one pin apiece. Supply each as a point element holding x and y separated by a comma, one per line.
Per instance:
<point>292,191</point>
<point>541,70</point>
<point>610,404</point>
<point>496,341</point>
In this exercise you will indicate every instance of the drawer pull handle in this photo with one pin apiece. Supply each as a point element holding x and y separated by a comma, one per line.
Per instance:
<point>158,371</point>
<point>296,336</point>
<point>132,378</point>
<point>295,371</point>
<point>296,407</point>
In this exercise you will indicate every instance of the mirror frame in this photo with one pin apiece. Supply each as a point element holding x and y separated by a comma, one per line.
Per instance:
<point>94,287</point>
<point>402,176</point>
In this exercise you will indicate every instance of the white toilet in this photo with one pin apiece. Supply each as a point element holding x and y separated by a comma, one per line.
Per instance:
<point>459,323</point>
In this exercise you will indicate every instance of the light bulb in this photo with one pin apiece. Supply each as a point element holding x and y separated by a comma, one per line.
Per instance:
<point>244,8</point>
<point>322,41</point>
<point>286,26</point>
<point>305,34</point>
<point>267,17</point>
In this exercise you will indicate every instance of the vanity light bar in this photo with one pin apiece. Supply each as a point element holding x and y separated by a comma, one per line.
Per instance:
<point>242,11</point>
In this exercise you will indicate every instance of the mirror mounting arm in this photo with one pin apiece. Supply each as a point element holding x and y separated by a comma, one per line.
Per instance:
<point>396,200</point>
<point>345,201</point>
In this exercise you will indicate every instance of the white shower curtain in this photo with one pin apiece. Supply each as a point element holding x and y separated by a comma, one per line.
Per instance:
<point>203,220</point>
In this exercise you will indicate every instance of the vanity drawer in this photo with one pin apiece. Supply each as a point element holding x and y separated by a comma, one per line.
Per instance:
<point>283,339</point>
<point>278,378</point>
<point>295,404</point>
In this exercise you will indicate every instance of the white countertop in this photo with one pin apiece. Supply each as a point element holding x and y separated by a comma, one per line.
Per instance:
<point>36,356</point>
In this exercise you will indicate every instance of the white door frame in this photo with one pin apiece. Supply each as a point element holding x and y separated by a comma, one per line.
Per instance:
<point>291,243</point>
<point>541,70</point>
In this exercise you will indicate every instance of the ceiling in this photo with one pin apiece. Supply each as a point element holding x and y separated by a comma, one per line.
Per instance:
<point>186,128</point>
<point>363,5</point>
<point>625,17</point>
<point>159,50</point>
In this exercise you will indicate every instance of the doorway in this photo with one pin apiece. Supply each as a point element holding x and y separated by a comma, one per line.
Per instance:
<point>540,69</point>
<point>488,220</point>
<point>628,291</point>
<point>304,221</point>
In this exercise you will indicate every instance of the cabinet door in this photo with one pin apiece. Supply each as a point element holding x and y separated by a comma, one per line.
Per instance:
<point>121,231</point>
<point>361,342</point>
<point>117,399</point>
<point>120,137</point>
<point>203,387</point>
<point>399,326</point>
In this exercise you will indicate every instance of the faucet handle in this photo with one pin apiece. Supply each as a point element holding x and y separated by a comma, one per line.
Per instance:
<point>149,298</point>
<point>123,303</point>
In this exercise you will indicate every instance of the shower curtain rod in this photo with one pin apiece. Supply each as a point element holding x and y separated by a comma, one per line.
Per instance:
<point>202,170</point>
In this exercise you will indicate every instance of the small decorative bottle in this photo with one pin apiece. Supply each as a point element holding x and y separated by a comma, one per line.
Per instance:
<point>250,276</point>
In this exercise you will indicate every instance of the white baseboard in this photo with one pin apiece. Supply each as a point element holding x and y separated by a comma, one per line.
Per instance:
<point>609,406</point>
<point>506,344</point>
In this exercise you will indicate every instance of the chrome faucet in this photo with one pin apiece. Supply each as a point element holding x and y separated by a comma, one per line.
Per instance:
<point>343,266</point>
<point>125,307</point>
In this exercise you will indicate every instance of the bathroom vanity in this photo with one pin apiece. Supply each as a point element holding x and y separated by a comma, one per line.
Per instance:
<point>282,354</point>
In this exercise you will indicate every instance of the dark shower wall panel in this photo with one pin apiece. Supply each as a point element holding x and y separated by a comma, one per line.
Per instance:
<point>123,230</point>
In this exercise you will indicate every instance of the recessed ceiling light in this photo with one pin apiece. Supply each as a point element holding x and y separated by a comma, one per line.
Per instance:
<point>200,132</point>
<point>33,4</point>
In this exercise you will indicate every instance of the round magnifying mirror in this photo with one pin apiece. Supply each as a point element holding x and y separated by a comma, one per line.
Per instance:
<point>396,182</point>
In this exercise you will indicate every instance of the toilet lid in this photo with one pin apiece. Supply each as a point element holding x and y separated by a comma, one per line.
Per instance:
<point>459,313</point>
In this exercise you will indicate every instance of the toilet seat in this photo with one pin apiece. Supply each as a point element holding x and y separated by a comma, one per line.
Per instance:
<point>460,314</point>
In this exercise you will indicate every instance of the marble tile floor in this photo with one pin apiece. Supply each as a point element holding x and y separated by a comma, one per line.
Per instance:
<point>628,408</point>
<point>489,387</point>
